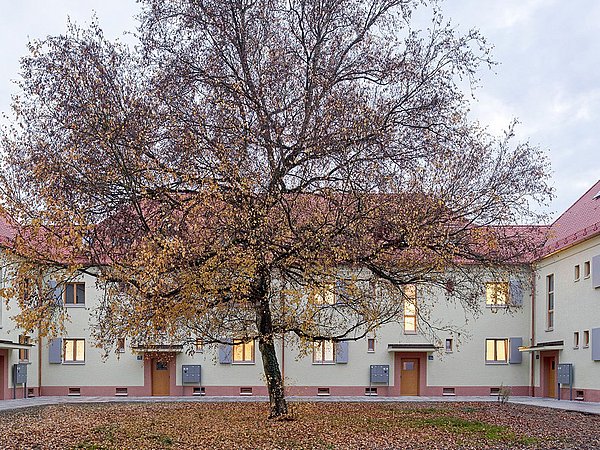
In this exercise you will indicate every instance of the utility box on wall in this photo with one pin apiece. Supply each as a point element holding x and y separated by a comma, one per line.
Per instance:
<point>380,374</point>
<point>565,373</point>
<point>190,373</point>
<point>20,373</point>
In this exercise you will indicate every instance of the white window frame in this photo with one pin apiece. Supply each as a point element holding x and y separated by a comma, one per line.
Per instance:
<point>586,338</point>
<point>410,299</point>
<point>321,352</point>
<point>449,348</point>
<point>248,352</point>
<point>75,303</point>
<point>586,269</point>
<point>576,339</point>
<point>576,273</point>
<point>494,290</point>
<point>496,360</point>
<point>76,357</point>
<point>550,302</point>
<point>370,345</point>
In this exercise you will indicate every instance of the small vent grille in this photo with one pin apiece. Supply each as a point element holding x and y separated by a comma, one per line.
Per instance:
<point>494,391</point>
<point>371,391</point>
<point>74,391</point>
<point>121,392</point>
<point>199,391</point>
<point>579,395</point>
<point>245,391</point>
<point>448,391</point>
<point>322,391</point>
<point>30,392</point>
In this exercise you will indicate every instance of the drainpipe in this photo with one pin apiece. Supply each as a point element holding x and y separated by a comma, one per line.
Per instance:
<point>532,365</point>
<point>39,364</point>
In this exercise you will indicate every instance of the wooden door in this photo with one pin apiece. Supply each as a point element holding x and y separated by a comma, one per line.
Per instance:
<point>550,377</point>
<point>2,380</point>
<point>409,376</point>
<point>161,379</point>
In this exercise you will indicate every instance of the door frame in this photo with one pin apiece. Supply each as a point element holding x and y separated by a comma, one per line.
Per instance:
<point>551,355</point>
<point>422,383</point>
<point>3,374</point>
<point>149,358</point>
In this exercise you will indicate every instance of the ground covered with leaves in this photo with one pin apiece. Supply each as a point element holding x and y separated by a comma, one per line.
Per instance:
<point>312,426</point>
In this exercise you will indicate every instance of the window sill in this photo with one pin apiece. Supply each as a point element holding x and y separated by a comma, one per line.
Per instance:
<point>586,346</point>
<point>243,363</point>
<point>496,363</point>
<point>370,351</point>
<point>411,332</point>
<point>325,363</point>
<point>586,277</point>
<point>549,329</point>
<point>74,305</point>
<point>576,348</point>
<point>73,363</point>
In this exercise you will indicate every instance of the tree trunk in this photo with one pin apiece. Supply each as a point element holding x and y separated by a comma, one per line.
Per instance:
<point>266,345</point>
<point>273,377</point>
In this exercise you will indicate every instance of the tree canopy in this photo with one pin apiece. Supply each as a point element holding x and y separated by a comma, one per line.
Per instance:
<point>248,160</point>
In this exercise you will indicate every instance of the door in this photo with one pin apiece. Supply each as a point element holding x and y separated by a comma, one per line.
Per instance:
<point>2,380</point>
<point>161,379</point>
<point>550,377</point>
<point>409,376</point>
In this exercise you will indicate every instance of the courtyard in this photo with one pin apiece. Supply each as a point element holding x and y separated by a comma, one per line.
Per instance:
<point>326,425</point>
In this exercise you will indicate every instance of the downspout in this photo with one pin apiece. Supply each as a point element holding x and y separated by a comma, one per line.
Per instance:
<point>532,365</point>
<point>39,363</point>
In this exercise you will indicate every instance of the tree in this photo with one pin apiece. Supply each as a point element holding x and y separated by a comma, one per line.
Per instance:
<point>251,160</point>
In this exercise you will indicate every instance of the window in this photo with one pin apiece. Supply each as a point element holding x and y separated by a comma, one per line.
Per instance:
<point>410,309</point>
<point>74,294</point>
<point>198,346</point>
<point>74,350</point>
<point>121,345</point>
<point>496,293</point>
<point>243,352</point>
<point>496,350</point>
<point>576,273</point>
<point>576,339</point>
<point>586,338</point>
<point>371,345</point>
<point>449,345</point>
<point>323,352</point>
<point>550,302</point>
<point>24,353</point>
<point>324,295</point>
<point>586,269</point>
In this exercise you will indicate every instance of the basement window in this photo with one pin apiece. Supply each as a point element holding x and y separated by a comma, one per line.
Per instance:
<point>323,391</point>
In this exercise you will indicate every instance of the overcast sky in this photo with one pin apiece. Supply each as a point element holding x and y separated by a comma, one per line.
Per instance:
<point>548,77</point>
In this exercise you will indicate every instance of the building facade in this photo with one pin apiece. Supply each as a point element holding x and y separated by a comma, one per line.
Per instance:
<point>526,332</point>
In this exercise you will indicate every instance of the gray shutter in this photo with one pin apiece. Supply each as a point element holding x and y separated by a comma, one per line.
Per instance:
<point>55,351</point>
<point>225,353</point>
<point>515,356</point>
<point>516,292</point>
<point>341,291</point>
<point>596,344</point>
<point>341,352</point>
<point>57,292</point>
<point>596,271</point>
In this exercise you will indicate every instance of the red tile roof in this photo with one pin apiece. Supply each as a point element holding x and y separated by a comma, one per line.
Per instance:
<point>578,223</point>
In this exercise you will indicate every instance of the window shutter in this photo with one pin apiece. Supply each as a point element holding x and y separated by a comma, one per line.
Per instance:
<point>516,292</point>
<point>341,352</point>
<point>57,292</point>
<point>341,291</point>
<point>225,353</point>
<point>515,356</point>
<point>596,271</point>
<point>596,344</point>
<point>55,351</point>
